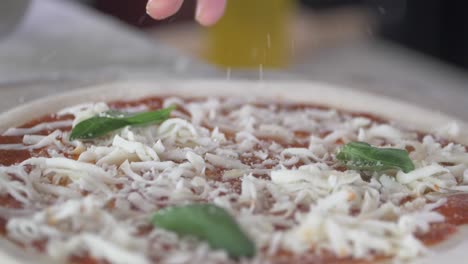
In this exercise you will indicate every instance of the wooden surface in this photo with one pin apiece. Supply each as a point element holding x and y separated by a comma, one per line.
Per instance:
<point>61,47</point>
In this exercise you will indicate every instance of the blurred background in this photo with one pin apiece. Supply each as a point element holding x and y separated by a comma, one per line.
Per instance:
<point>413,50</point>
<point>434,27</point>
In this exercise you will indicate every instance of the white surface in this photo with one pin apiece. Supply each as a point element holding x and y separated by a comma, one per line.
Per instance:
<point>60,39</point>
<point>62,46</point>
<point>385,69</point>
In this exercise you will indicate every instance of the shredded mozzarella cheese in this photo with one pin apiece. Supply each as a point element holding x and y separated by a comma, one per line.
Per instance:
<point>286,191</point>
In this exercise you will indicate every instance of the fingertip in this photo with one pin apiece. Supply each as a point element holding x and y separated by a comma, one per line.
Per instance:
<point>210,11</point>
<point>162,9</point>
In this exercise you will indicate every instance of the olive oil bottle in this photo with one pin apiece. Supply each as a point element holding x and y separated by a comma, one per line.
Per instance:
<point>252,34</point>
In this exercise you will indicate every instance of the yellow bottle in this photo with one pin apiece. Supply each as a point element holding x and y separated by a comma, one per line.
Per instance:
<point>252,33</point>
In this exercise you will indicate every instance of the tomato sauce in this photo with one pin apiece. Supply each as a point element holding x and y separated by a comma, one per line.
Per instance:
<point>285,257</point>
<point>455,210</point>
<point>438,232</point>
<point>11,157</point>
<point>86,259</point>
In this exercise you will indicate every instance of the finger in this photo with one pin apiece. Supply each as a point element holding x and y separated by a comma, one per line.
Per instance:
<point>161,9</point>
<point>210,11</point>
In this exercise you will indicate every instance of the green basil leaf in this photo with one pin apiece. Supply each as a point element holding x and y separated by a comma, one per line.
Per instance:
<point>206,222</point>
<point>362,156</point>
<point>96,127</point>
<point>151,117</point>
<point>109,121</point>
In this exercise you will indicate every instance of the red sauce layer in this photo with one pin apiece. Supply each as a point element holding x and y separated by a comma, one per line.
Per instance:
<point>455,210</point>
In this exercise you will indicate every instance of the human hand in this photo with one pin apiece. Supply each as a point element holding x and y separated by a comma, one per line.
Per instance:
<point>208,12</point>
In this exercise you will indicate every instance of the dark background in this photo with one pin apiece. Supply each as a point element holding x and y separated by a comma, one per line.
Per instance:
<point>438,28</point>
<point>435,27</point>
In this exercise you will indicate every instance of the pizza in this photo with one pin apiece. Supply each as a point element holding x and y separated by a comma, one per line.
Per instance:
<point>238,172</point>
